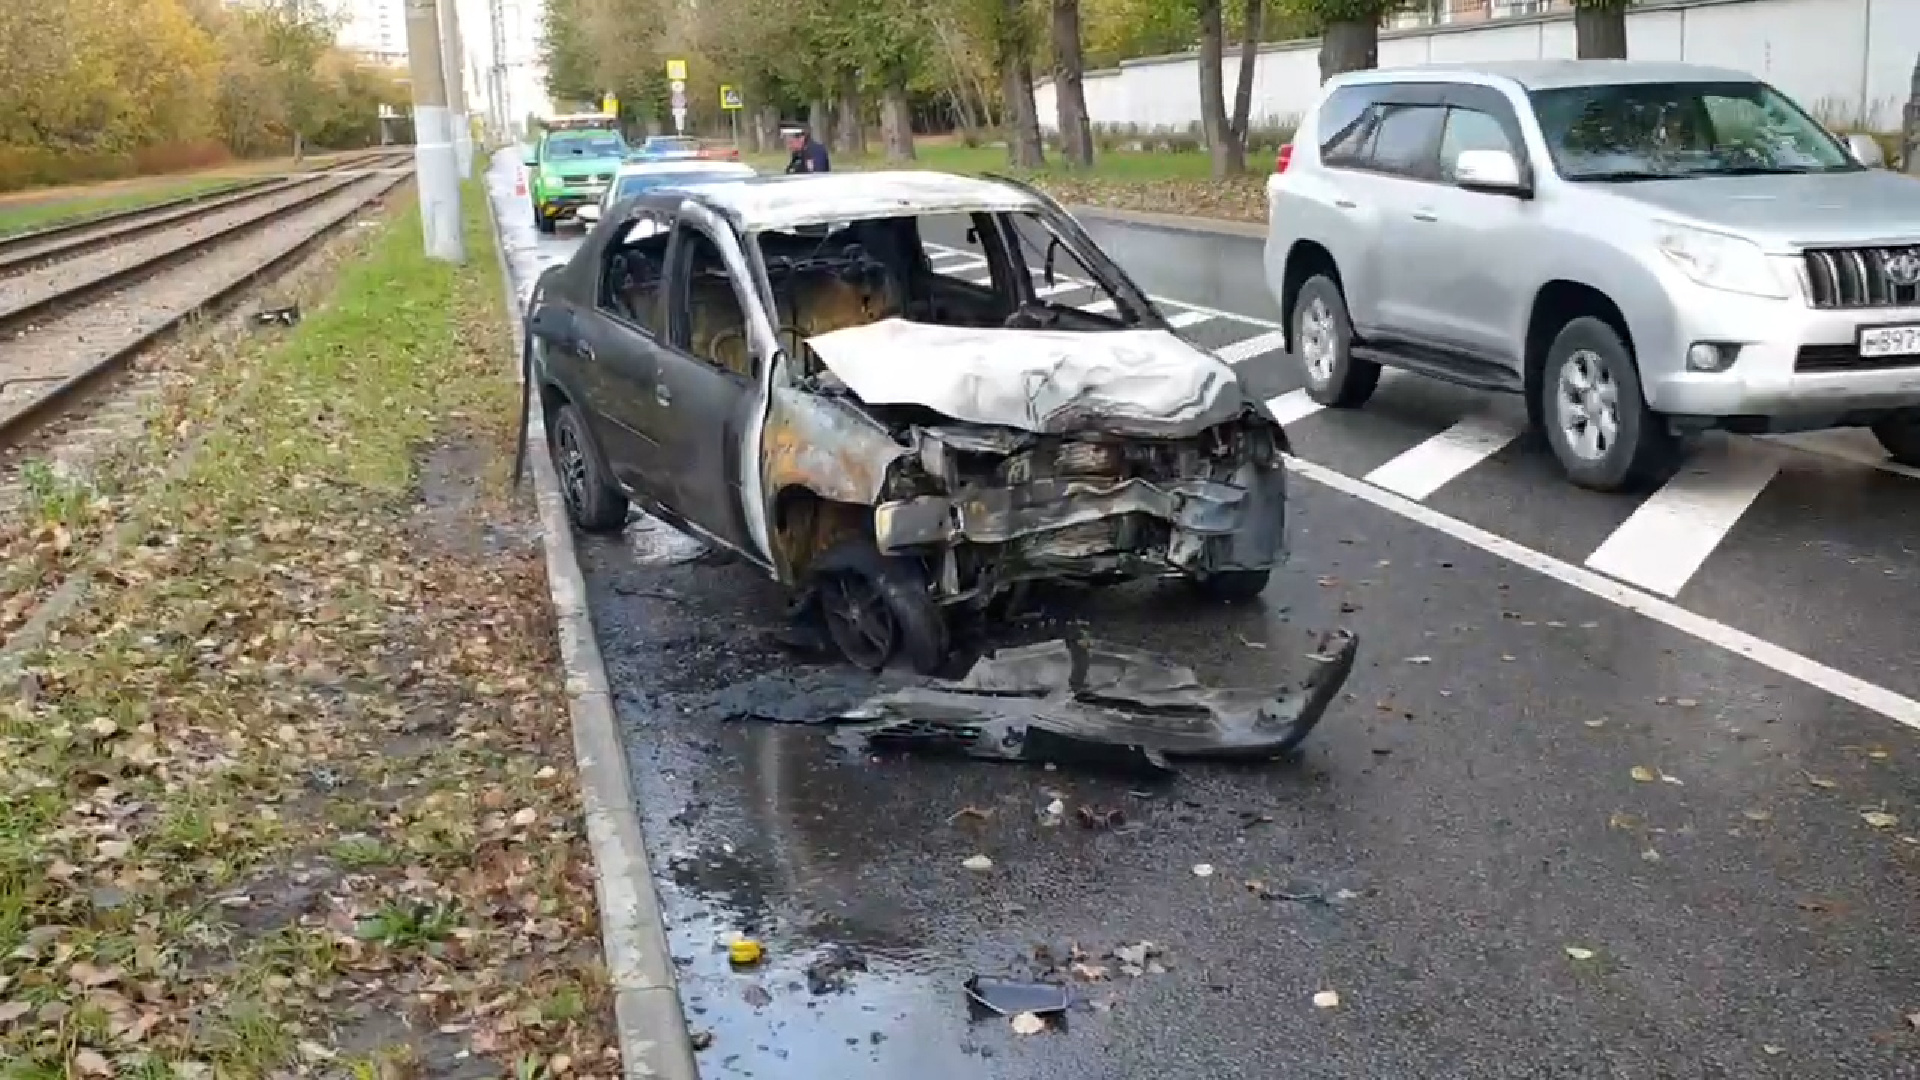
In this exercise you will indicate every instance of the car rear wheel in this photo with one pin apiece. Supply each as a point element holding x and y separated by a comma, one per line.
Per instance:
<point>1900,437</point>
<point>594,503</point>
<point>1596,417</point>
<point>877,607</point>
<point>1323,340</point>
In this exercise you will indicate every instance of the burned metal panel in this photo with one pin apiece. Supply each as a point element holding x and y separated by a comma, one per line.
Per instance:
<point>827,446</point>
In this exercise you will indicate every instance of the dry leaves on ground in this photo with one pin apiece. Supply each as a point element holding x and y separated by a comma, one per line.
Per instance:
<point>292,792</point>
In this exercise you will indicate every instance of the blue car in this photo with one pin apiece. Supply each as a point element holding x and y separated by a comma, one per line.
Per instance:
<point>668,148</point>
<point>639,176</point>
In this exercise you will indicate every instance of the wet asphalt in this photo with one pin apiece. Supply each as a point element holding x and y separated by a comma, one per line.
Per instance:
<point>1538,836</point>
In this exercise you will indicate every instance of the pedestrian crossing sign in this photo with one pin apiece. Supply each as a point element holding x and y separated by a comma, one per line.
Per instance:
<point>729,97</point>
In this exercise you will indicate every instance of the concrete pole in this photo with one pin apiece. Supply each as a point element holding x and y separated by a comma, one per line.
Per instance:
<point>436,169</point>
<point>452,55</point>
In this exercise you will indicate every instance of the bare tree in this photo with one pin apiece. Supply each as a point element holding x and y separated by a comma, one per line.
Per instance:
<point>1069,85</point>
<point>1600,29</point>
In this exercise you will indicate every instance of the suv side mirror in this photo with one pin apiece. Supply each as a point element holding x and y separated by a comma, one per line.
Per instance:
<point>1866,150</point>
<point>1494,172</point>
<point>531,158</point>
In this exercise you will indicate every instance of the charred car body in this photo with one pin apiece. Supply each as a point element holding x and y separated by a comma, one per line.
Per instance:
<point>774,366</point>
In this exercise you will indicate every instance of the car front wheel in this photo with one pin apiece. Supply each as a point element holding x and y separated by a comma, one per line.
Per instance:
<point>1900,437</point>
<point>1596,417</point>
<point>594,503</point>
<point>879,606</point>
<point>540,220</point>
<point>1323,339</point>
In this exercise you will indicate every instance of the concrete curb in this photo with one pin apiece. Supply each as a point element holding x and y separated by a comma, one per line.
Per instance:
<point>1176,222</point>
<point>652,1027</point>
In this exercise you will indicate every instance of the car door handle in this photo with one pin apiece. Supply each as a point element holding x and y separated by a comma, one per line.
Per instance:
<point>662,395</point>
<point>585,350</point>
<point>1425,215</point>
<point>1346,204</point>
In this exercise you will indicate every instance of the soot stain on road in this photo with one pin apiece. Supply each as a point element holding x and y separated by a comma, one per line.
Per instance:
<point>770,832</point>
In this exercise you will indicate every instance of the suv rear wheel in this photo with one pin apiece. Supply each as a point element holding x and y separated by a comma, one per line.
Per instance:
<point>1900,437</point>
<point>1323,340</point>
<point>1596,418</point>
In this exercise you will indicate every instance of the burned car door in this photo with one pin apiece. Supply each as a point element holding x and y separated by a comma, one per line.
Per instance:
<point>620,350</point>
<point>709,384</point>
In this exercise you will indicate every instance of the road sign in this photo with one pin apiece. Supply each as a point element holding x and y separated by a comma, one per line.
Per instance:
<point>729,98</point>
<point>610,105</point>
<point>680,96</point>
<point>677,70</point>
<point>679,120</point>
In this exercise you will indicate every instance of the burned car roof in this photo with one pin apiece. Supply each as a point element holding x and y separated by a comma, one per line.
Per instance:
<point>779,202</point>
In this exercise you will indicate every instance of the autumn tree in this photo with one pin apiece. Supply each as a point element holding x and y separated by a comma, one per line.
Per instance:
<point>292,36</point>
<point>1008,28</point>
<point>1349,31</point>
<point>1600,29</point>
<point>1227,134</point>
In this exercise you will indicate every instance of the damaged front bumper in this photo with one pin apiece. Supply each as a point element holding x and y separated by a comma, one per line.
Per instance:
<point>1062,508</point>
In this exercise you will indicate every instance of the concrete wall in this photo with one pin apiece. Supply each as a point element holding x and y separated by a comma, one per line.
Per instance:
<point>1842,59</point>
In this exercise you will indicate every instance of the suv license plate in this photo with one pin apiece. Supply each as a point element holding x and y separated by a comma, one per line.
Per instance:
<point>1890,341</point>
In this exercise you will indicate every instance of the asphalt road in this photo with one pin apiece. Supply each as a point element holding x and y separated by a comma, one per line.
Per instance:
<point>1553,829</point>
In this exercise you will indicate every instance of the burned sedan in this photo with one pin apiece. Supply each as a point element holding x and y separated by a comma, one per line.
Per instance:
<point>776,366</point>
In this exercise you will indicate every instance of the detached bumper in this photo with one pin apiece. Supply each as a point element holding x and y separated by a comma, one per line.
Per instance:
<point>1065,526</point>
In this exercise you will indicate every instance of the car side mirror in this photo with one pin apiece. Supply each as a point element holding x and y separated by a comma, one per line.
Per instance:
<point>589,213</point>
<point>1866,150</point>
<point>530,159</point>
<point>1494,172</point>
<point>547,321</point>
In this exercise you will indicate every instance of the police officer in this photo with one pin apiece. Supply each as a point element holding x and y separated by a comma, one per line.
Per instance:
<point>808,156</point>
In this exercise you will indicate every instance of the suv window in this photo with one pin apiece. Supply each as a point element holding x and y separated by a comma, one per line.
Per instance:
<point>1407,142</point>
<point>635,265</point>
<point>1470,129</point>
<point>709,322</point>
<point>1346,121</point>
<point>1662,130</point>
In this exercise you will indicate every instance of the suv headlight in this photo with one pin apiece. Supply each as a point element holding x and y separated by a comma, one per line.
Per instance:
<point>1719,261</point>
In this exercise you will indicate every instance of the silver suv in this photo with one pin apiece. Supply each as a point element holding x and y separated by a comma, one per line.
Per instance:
<point>1642,249</point>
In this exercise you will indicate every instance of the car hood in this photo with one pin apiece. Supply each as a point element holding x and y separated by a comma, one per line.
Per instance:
<point>570,167</point>
<point>1872,206</point>
<point>1128,382</point>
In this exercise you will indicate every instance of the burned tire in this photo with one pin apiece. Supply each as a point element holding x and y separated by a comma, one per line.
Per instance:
<point>1900,437</point>
<point>1232,586</point>
<point>1323,340</point>
<point>1596,417</point>
<point>876,607</point>
<point>593,501</point>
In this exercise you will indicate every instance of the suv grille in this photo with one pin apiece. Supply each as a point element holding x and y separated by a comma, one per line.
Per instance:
<point>1875,277</point>
<point>583,181</point>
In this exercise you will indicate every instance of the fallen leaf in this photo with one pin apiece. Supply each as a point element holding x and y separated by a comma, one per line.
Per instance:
<point>1757,815</point>
<point>13,1010</point>
<point>1602,722</point>
<point>1579,953</point>
<point>1203,870</point>
<point>1819,781</point>
<point>1327,999</point>
<point>1772,1050</point>
<point>1419,659</point>
<point>92,1063</point>
<point>526,816</point>
<point>1027,1023</point>
<point>1642,774</point>
<point>1879,819</point>
<point>1913,1020</point>
<point>977,862</point>
<point>1685,702</point>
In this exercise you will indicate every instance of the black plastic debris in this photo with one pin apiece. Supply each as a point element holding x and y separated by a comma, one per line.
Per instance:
<point>1098,706</point>
<point>279,316</point>
<point>1011,997</point>
<point>830,972</point>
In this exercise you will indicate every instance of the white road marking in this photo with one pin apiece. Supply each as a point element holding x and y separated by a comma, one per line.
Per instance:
<point>1099,307</point>
<point>1254,346</point>
<point>1423,470</point>
<point>1292,406</point>
<point>1896,707</point>
<point>1661,546</point>
<point>1187,318</point>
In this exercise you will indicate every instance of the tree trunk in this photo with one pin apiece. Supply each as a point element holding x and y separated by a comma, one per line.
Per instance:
<point>1025,150</point>
<point>1349,45</point>
<point>766,129</point>
<point>1213,101</point>
<point>1910,128</point>
<point>820,122</point>
<point>896,119</point>
<point>1249,62</point>
<point>1069,85</point>
<point>851,128</point>
<point>1600,31</point>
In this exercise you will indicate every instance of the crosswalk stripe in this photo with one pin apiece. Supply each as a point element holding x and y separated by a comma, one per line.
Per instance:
<point>1292,406</point>
<point>1426,468</point>
<point>1099,307</point>
<point>1188,318</point>
<point>1664,542</point>
<point>1254,346</point>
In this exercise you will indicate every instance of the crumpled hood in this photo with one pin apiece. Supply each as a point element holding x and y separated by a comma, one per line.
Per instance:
<point>1128,382</point>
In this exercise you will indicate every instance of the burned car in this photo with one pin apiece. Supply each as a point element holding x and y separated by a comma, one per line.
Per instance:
<point>776,366</point>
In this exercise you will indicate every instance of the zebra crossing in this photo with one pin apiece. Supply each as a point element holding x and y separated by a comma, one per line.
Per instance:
<point>1788,533</point>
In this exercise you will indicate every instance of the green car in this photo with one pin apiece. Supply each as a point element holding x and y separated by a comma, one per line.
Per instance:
<point>571,168</point>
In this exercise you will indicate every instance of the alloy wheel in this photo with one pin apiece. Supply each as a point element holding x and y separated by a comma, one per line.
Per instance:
<point>1587,405</point>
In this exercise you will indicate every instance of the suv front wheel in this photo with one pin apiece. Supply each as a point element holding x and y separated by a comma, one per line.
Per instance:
<point>1900,437</point>
<point>1323,340</point>
<point>1596,417</point>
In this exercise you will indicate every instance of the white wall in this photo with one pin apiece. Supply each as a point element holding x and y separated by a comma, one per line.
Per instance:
<point>1846,57</point>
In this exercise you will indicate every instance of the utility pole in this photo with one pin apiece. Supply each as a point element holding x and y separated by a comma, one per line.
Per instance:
<point>436,167</point>
<point>452,56</point>
<point>503,101</point>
